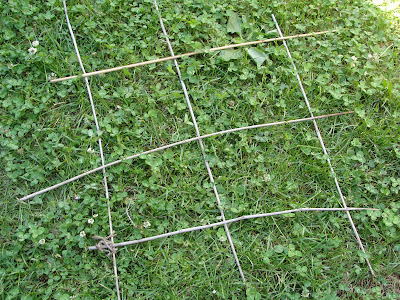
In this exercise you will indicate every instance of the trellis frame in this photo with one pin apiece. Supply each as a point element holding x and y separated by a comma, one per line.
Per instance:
<point>109,241</point>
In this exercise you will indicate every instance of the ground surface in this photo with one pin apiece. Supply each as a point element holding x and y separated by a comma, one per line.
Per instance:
<point>48,135</point>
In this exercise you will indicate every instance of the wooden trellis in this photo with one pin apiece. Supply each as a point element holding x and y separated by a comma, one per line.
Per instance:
<point>107,243</point>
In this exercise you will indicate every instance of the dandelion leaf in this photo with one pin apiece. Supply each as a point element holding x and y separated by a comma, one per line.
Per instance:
<point>234,24</point>
<point>257,55</point>
<point>230,54</point>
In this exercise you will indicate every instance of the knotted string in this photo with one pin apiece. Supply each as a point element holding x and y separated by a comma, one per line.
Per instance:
<point>105,245</point>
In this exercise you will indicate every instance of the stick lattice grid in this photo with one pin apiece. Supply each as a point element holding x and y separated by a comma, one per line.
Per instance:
<point>105,243</point>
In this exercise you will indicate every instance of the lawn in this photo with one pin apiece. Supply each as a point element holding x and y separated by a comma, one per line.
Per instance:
<point>48,135</point>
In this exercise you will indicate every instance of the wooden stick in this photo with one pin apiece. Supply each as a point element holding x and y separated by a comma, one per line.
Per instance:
<point>177,144</point>
<point>321,141</point>
<point>111,236</point>
<point>226,222</point>
<point>190,54</point>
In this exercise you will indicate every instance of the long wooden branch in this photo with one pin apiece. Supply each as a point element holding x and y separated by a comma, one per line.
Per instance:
<point>190,54</point>
<point>177,144</point>
<point>101,246</point>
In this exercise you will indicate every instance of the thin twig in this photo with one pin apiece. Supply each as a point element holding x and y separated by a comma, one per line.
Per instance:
<point>247,217</point>
<point>191,53</point>
<point>100,147</point>
<point>173,145</point>
<point>323,146</point>
<point>210,175</point>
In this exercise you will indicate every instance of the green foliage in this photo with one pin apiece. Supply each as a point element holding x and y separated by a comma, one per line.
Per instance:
<point>47,135</point>
<point>257,55</point>
<point>234,24</point>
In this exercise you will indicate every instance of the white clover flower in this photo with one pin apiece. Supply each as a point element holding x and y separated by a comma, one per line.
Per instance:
<point>35,43</point>
<point>354,58</point>
<point>267,178</point>
<point>373,57</point>
<point>146,224</point>
<point>95,215</point>
<point>42,241</point>
<point>90,150</point>
<point>214,291</point>
<point>82,234</point>
<point>76,197</point>
<point>51,76</point>
<point>90,221</point>
<point>32,50</point>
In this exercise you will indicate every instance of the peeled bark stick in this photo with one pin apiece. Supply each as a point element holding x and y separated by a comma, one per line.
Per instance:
<point>101,246</point>
<point>190,54</point>
<point>177,144</point>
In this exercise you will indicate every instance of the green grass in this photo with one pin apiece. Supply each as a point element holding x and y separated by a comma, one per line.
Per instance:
<point>46,130</point>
